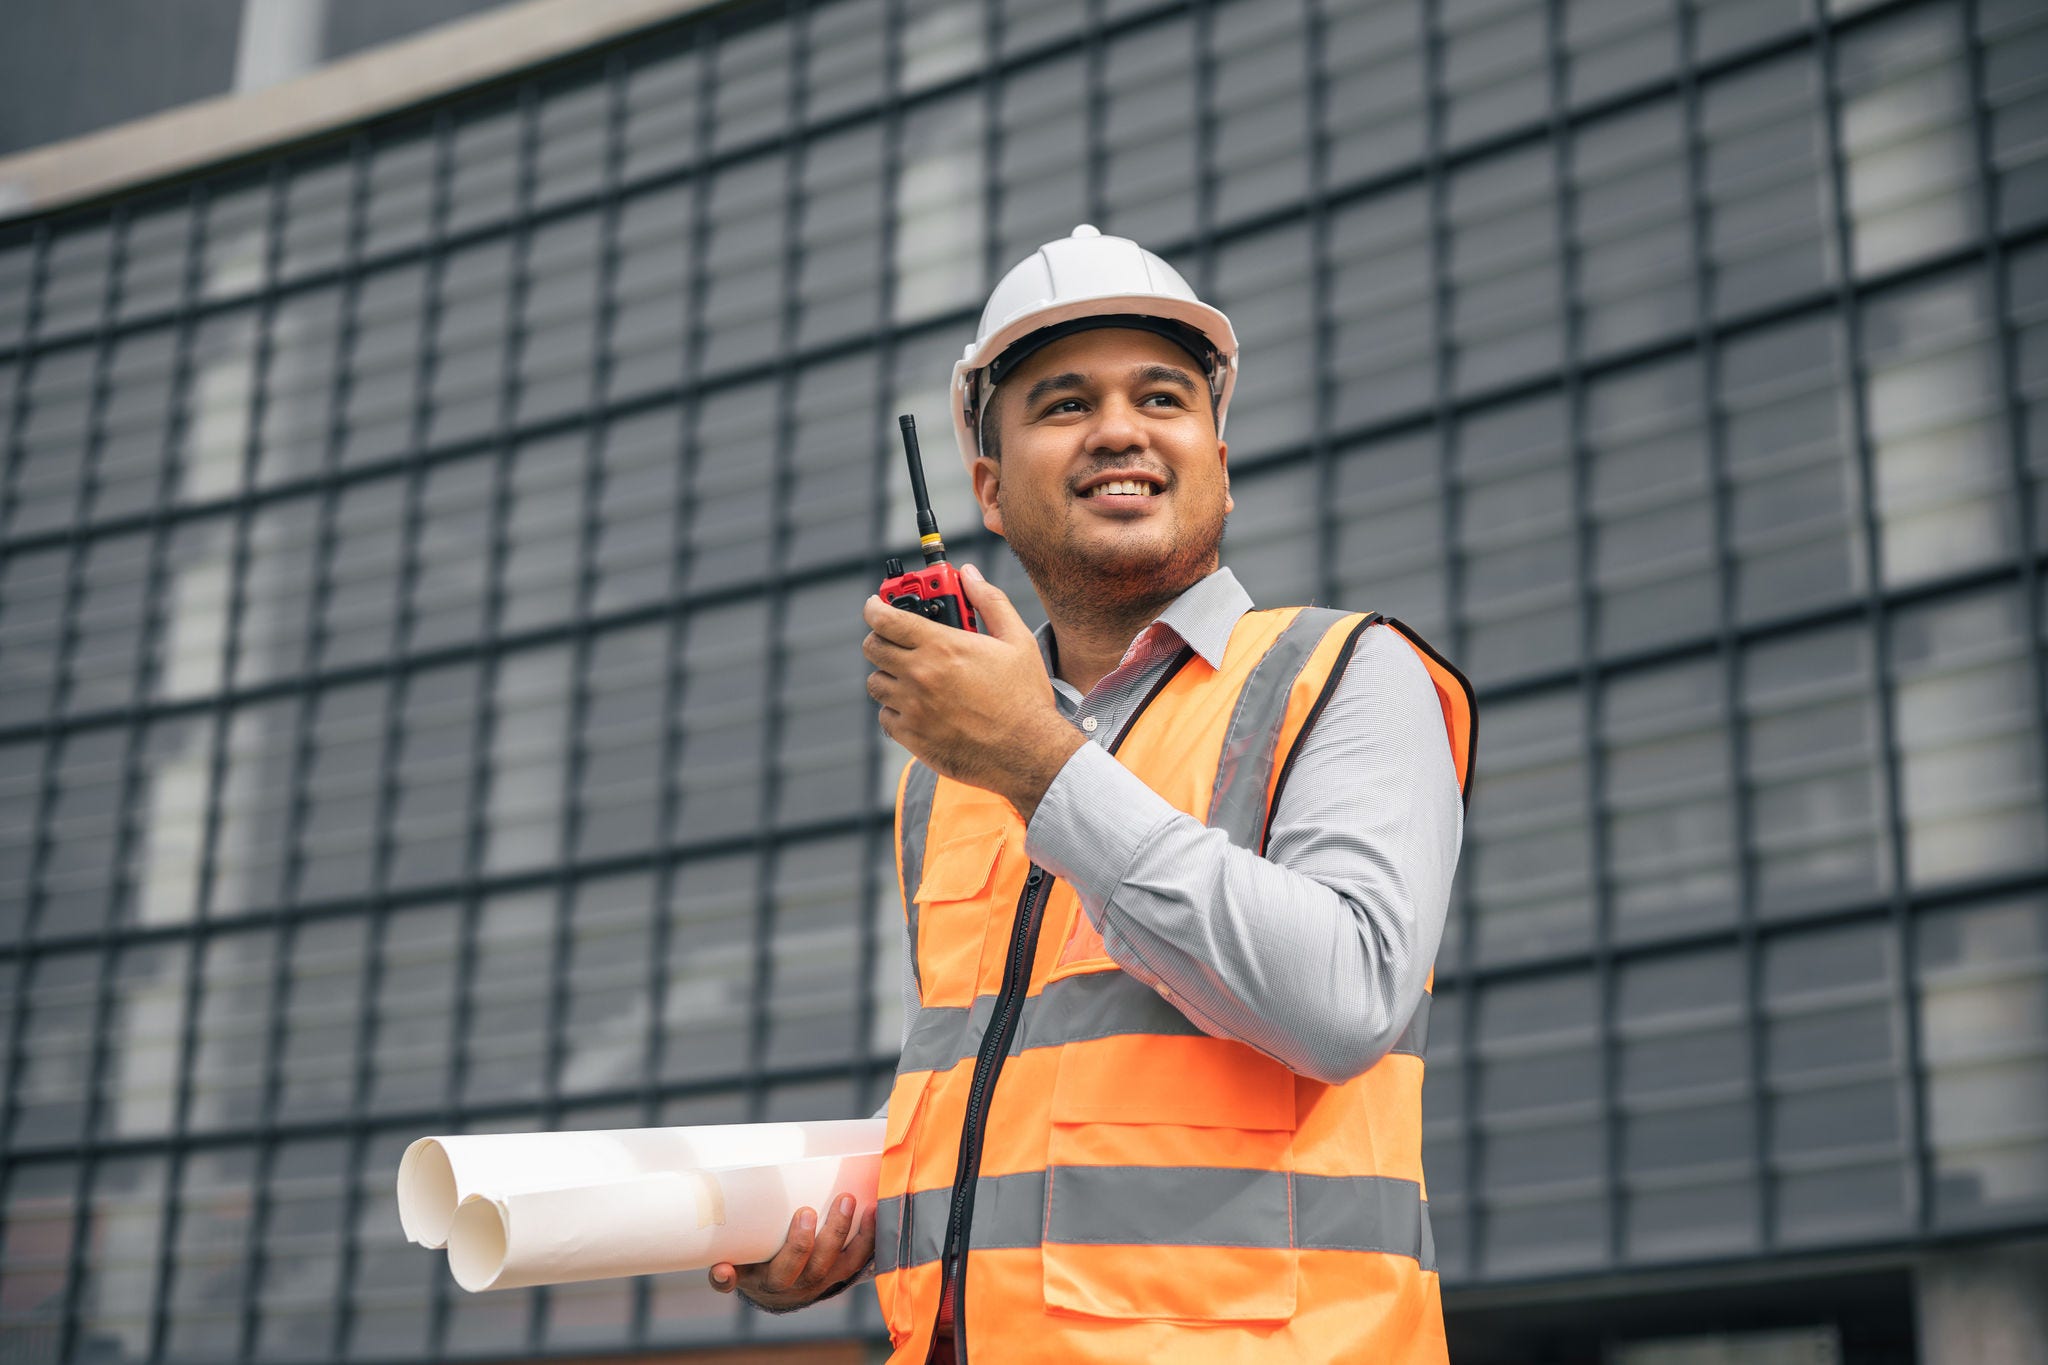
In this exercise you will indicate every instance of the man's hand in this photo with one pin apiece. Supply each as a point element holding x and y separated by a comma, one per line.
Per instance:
<point>812,1260</point>
<point>976,708</point>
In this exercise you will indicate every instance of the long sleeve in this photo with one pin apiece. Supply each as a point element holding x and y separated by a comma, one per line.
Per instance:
<point>1317,953</point>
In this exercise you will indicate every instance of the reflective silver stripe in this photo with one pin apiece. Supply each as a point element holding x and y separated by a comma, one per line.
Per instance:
<point>1077,1009</point>
<point>1009,1212</point>
<point>914,820</point>
<point>1414,1039</point>
<point>1244,773</point>
<point>943,1035</point>
<point>1167,1206</point>
<point>890,1248</point>
<point>1353,1213</point>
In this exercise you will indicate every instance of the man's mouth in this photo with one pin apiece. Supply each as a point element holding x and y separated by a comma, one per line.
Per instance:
<point>1133,488</point>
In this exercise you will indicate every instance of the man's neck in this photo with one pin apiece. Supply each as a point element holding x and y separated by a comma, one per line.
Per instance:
<point>1087,648</point>
<point>1090,637</point>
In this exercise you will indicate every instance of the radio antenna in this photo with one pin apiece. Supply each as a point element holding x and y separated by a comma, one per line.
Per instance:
<point>927,524</point>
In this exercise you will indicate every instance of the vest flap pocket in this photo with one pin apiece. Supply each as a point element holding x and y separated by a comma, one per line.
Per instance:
<point>959,868</point>
<point>905,1099</point>
<point>1193,1081</point>
<point>894,1235</point>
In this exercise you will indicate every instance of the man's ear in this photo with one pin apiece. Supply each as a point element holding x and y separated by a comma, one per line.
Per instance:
<point>988,482</point>
<point>1223,458</point>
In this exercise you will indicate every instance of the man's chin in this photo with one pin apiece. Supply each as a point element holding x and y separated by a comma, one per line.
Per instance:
<point>1139,572</point>
<point>1117,564</point>
<point>1116,550</point>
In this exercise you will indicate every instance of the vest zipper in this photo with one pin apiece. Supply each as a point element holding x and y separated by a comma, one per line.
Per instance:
<point>995,1048</point>
<point>988,1064</point>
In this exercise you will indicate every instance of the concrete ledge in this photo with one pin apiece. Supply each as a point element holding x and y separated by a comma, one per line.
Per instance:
<point>383,79</point>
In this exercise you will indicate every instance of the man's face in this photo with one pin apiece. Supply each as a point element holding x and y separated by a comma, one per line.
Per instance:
<point>1112,486</point>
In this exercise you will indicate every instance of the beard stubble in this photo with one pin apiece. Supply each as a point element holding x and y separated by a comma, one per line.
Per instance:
<point>1113,583</point>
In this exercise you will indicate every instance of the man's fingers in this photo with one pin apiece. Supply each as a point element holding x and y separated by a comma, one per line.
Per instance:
<point>847,1259</point>
<point>815,1256</point>
<point>782,1270</point>
<point>860,1248</point>
<point>833,1235</point>
<point>887,695</point>
<point>994,607</point>
<point>886,655</point>
<point>905,628</point>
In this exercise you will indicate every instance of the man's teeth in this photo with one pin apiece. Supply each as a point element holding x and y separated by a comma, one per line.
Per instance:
<point>1137,486</point>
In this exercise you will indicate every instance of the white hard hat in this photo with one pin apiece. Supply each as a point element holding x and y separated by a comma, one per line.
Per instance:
<point>1087,280</point>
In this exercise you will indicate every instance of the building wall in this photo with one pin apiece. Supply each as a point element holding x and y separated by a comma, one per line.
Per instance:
<point>62,71</point>
<point>430,560</point>
<point>70,69</point>
<point>356,25</point>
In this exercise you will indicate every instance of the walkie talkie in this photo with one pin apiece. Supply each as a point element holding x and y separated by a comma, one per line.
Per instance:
<point>933,592</point>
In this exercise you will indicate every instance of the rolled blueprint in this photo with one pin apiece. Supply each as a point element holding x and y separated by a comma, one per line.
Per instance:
<point>648,1224</point>
<point>438,1173</point>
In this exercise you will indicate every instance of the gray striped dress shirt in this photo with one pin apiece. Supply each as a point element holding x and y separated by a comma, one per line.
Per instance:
<point>1315,953</point>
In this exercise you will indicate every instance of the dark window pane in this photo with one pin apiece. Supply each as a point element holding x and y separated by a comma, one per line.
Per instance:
<point>1836,1122</point>
<point>1969,739</point>
<point>619,771</point>
<point>1539,1084</point>
<point>1766,182</point>
<point>1793,501</point>
<point>1261,282</point>
<point>1669,814</point>
<point>1526,865</point>
<point>1983,999</point>
<point>1655,562</point>
<point>1389,525</point>
<point>1810,752</point>
<point>1518,539</point>
<point>1938,439</point>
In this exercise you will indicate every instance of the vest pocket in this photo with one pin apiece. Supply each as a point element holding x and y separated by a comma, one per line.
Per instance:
<point>1169,1191</point>
<point>895,1246</point>
<point>952,919</point>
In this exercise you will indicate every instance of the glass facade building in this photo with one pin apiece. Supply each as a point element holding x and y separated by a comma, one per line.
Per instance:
<point>430,561</point>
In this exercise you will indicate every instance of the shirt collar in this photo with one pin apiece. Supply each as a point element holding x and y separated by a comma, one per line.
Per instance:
<point>1202,617</point>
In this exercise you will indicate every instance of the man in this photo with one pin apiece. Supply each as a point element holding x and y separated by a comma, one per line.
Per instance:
<point>1174,875</point>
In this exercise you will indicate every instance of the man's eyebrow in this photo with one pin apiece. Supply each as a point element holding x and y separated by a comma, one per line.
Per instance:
<point>1166,374</point>
<point>1052,384</point>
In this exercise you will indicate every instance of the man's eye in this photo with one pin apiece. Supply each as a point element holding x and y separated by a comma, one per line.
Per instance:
<point>1169,399</point>
<point>1064,405</point>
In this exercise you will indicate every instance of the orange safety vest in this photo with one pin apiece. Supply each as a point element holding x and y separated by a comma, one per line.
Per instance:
<point>1135,1189</point>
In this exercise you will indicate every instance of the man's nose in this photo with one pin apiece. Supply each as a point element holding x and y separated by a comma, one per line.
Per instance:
<point>1116,429</point>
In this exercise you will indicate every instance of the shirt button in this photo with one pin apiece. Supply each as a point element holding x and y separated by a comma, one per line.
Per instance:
<point>1088,724</point>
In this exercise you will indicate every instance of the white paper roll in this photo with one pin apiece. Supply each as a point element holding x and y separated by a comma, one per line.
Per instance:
<point>649,1224</point>
<point>438,1173</point>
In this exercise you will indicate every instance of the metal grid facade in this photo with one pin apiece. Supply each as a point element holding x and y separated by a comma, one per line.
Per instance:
<point>429,570</point>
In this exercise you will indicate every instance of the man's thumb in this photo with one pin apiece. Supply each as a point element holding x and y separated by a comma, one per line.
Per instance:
<point>992,605</point>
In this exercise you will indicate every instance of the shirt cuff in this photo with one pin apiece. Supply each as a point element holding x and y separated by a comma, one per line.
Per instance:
<point>1092,823</point>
